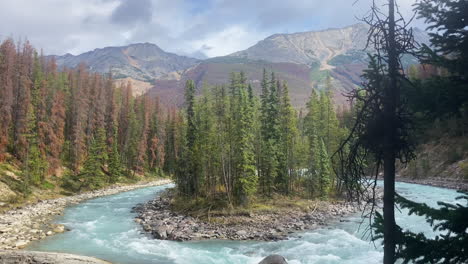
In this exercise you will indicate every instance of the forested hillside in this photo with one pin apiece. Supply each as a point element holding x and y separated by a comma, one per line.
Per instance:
<point>74,129</point>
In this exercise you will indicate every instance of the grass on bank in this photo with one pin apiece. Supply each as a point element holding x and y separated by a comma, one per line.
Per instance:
<point>214,209</point>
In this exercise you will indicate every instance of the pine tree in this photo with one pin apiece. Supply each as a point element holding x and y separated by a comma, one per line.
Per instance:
<point>288,135</point>
<point>449,245</point>
<point>92,175</point>
<point>323,171</point>
<point>115,170</point>
<point>7,72</point>
<point>187,177</point>
<point>311,130</point>
<point>246,182</point>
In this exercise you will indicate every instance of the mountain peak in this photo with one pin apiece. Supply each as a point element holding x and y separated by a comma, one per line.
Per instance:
<point>310,48</point>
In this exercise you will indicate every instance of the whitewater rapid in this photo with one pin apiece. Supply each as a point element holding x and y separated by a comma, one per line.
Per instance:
<point>104,228</point>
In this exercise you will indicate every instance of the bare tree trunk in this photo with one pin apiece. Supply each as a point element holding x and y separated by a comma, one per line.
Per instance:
<point>391,135</point>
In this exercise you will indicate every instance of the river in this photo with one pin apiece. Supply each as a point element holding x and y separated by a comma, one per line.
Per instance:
<point>104,228</point>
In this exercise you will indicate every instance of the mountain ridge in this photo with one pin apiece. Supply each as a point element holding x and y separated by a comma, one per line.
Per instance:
<point>303,59</point>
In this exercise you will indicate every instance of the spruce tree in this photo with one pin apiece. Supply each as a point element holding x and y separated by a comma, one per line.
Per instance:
<point>92,175</point>
<point>246,182</point>
<point>324,171</point>
<point>288,135</point>
<point>115,165</point>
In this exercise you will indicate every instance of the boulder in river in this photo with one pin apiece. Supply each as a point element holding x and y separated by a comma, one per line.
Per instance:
<point>274,259</point>
<point>59,229</point>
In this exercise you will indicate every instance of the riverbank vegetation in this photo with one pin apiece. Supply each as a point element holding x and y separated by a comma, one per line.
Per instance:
<point>237,145</point>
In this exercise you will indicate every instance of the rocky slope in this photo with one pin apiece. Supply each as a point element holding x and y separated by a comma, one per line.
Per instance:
<point>442,161</point>
<point>303,59</point>
<point>308,48</point>
<point>141,62</point>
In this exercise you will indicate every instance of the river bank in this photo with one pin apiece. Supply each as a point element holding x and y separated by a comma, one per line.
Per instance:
<point>35,257</point>
<point>161,222</point>
<point>459,185</point>
<point>24,224</point>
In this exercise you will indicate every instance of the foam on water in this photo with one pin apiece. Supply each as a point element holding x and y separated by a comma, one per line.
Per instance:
<point>104,228</point>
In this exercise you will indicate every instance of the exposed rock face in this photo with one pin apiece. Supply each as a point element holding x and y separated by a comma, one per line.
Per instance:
<point>274,259</point>
<point>314,47</point>
<point>141,62</point>
<point>33,257</point>
<point>157,219</point>
<point>308,47</point>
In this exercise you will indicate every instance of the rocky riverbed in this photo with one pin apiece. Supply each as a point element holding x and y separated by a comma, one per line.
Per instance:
<point>157,219</point>
<point>22,225</point>
<point>34,257</point>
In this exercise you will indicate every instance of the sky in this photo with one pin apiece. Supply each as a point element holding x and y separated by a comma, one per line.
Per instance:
<point>198,28</point>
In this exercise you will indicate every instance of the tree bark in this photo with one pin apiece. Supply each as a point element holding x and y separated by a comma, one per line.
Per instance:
<point>391,135</point>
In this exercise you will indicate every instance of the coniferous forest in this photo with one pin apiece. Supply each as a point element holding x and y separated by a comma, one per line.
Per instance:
<point>238,145</point>
<point>227,140</point>
<point>77,125</point>
<point>298,136</point>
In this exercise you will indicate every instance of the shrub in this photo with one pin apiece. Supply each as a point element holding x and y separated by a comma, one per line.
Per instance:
<point>454,155</point>
<point>464,169</point>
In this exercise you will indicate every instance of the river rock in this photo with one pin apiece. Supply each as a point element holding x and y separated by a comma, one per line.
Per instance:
<point>161,222</point>
<point>241,233</point>
<point>21,244</point>
<point>59,229</point>
<point>33,257</point>
<point>160,232</point>
<point>273,259</point>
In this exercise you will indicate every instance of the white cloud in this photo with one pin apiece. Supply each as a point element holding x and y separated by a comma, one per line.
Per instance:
<point>229,40</point>
<point>60,26</point>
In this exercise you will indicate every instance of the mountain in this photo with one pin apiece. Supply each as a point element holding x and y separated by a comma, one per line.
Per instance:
<point>140,63</point>
<point>303,59</point>
<point>309,48</point>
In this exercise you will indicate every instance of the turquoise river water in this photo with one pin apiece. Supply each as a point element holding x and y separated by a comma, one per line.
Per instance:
<point>104,228</point>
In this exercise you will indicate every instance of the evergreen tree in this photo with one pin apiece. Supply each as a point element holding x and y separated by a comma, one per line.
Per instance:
<point>115,169</point>
<point>288,135</point>
<point>323,170</point>
<point>449,246</point>
<point>92,175</point>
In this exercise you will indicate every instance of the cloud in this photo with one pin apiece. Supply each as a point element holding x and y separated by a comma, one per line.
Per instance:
<point>209,27</point>
<point>132,11</point>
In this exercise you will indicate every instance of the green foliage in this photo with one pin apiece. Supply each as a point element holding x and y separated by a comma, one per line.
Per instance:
<point>116,170</point>
<point>464,169</point>
<point>47,185</point>
<point>35,167</point>
<point>17,186</point>
<point>449,246</point>
<point>324,171</point>
<point>236,145</point>
<point>92,175</point>
<point>453,155</point>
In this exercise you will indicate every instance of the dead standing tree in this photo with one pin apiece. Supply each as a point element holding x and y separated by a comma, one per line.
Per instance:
<point>382,129</point>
